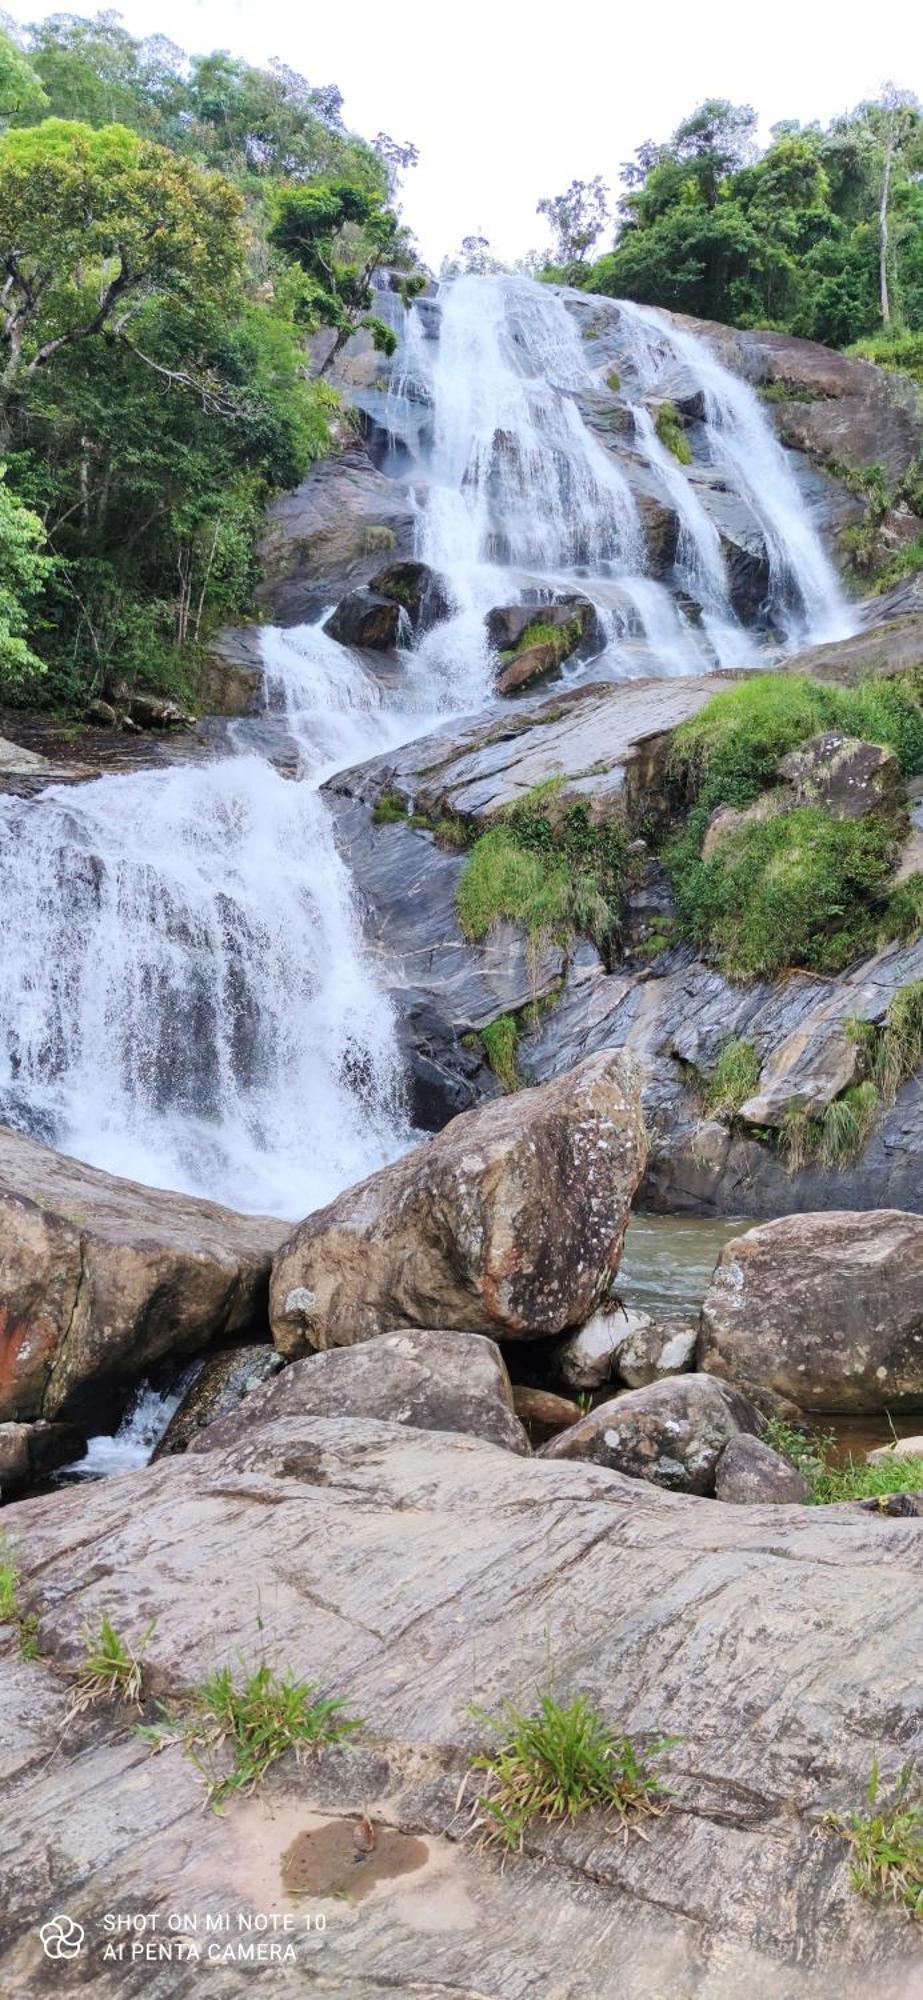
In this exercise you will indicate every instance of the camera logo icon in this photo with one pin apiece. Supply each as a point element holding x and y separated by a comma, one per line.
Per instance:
<point>62,1937</point>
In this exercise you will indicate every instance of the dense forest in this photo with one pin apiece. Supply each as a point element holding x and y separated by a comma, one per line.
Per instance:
<point>820,235</point>
<point>173,229</point>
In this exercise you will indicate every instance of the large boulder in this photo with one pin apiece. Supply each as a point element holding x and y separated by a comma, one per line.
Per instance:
<point>433,1381</point>
<point>510,1222</point>
<point>671,1433</point>
<point>750,1473</point>
<point>425,1578</point>
<point>100,1278</point>
<point>364,619</point>
<point>418,590</point>
<point>824,1312</point>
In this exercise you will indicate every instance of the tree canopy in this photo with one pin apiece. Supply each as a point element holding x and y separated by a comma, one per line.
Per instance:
<point>171,229</point>
<point>821,234</point>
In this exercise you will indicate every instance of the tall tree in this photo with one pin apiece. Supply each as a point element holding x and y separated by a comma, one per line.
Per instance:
<point>577,217</point>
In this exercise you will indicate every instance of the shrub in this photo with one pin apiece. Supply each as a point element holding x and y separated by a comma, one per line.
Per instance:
<point>557,1763</point>
<point>733,1079</point>
<point>886,1842</point>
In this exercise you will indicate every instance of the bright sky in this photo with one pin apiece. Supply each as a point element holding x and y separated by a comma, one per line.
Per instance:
<point>509,101</point>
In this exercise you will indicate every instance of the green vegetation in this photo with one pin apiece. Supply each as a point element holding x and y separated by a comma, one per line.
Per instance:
<point>672,435</point>
<point>26,1622</point>
<point>557,1763</point>
<point>799,889</point>
<point>885,1840</point>
<point>389,808</point>
<point>730,751</point>
<point>501,1039</point>
<point>111,1669</point>
<point>180,225</point>
<point>851,1478</point>
<point>820,235</point>
<point>545,866</point>
<point>893,1052</point>
<point>733,1079</point>
<point>233,1734</point>
<point>889,1055</point>
<point>795,888</point>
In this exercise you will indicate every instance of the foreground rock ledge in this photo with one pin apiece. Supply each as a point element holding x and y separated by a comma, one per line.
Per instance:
<point>100,1277</point>
<point>415,1574</point>
<point>511,1222</point>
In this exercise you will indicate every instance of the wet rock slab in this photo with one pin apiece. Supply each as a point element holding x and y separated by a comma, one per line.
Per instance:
<point>418,1573</point>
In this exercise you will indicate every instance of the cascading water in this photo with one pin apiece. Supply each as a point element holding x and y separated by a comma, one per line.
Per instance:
<point>183,993</point>
<point>742,446</point>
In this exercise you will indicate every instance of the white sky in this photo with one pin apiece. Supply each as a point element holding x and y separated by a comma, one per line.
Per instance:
<point>509,101</point>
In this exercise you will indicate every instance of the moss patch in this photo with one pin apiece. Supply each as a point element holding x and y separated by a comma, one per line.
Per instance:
<point>671,433</point>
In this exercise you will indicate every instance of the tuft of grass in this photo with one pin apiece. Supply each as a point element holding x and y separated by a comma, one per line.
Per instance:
<point>733,1079</point>
<point>835,1139</point>
<point>614,381</point>
<point>390,807</point>
<point>233,1734</point>
<point>545,866</point>
<point>9,1582</point>
<point>379,539</point>
<point>671,433</point>
<point>452,833</point>
<point>501,1040</point>
<point>26,1622</point>
<point>898,1048</point>
<point>111,1669</point>
<point>559,1762</point>
<point>904,913</point>
<point>885,1840</point>
<point>852,1478</point>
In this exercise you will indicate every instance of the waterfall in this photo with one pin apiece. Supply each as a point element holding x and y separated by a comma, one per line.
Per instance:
<point>743,448</point>
<point>184,997</point>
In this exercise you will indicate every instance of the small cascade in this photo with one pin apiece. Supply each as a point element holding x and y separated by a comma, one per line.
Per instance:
<point>806,599</point>
<point>700,565</point>
<point>183,996</point>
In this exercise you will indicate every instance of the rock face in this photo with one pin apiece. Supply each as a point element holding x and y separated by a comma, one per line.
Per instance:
<point>224,1380</point>
<point>28,1452</point>
<point>231,678</point>
<point>433,1381</point>
<point>100,1278</point>
<point>750,1473</point>
<point>416,1575</point>
<point>671,1433</point>
<point>417,589</point>
<point>510,1221</point>
<point>824,1312</point>
<point>332,533</point>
